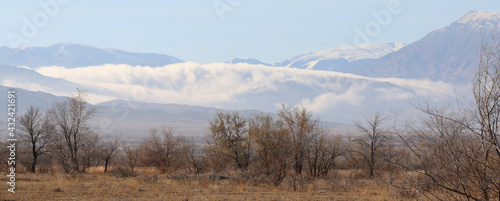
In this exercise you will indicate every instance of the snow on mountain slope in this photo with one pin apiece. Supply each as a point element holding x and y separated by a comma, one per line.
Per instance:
<point>337,96</point>
<point>339,57</point>
<point>75,55</point>
<point>247,60</point>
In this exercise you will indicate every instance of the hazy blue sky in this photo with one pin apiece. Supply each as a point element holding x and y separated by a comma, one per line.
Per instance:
<point>193,30</point>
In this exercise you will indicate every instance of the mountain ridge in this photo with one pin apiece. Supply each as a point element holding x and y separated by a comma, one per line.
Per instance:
<point>72,55</point>
<point>333,58</point>
<point>248,61</point>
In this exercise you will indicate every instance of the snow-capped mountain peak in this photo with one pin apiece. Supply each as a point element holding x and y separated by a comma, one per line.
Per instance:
<point>364,51</point>
<point>246,60</point>
<point>477,16</point>
<point>479,19</point>
<point>340,56</point>
<point>450,53</point>
<point>62,44</point>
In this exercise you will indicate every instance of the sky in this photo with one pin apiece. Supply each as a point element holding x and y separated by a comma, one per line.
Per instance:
<point>207,31</point>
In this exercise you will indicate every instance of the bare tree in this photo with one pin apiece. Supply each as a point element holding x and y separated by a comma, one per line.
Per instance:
<point>372,142</point>
<point>61,154</point>
<point>70,118</point>
<point>444,151</point>
<point>37,133</point>
<point>230,137</point>
<point>322,154</point>
<point>272,147</point>
<point>302,127</point>
<point>161,148</point>
<point>90,151</point>
<point>109,149</point>
<point>457,149</point>
<point>194,159</point>
<point>486,89</point>
<point>132,157</point>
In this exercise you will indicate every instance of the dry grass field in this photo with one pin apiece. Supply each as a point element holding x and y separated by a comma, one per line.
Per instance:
<point>149,185</point>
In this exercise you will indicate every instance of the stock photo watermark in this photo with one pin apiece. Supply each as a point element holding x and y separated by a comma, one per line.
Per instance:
<point>11,140</point>
<point>222,7</point>
<point>137,94</point>
<point>31,25</point>
<point>379,19</point>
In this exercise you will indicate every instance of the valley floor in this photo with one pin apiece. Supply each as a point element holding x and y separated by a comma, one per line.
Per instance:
<point>149,186</point>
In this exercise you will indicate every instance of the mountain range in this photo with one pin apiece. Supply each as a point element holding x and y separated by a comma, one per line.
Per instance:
<point>340,59</point>
<point>136,91</point>
<point>450,53</point>
<point>75,55</point>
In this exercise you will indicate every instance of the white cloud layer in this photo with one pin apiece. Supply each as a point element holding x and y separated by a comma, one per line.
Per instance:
<point>242,85</point>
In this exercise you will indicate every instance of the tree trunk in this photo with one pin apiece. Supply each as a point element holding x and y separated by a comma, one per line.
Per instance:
<point>33,166</point>
<point>106,166</point>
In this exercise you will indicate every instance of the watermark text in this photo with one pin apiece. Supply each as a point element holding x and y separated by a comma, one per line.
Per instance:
<point>11,140</point>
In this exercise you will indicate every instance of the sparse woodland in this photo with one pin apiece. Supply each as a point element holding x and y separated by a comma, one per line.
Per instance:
<point>443,153</point>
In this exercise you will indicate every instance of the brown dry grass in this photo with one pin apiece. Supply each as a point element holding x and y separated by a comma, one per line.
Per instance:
<point>95,185</point>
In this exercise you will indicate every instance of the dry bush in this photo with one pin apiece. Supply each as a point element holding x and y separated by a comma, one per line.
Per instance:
<point>44,169</point>
<point>148,179</point>
<point>122,172</point>
<point>229,139</point>
<point>272,149</point>
<point>216,177</point>
<point>161,149</point>
<point>347,180</point>
<point>192,158</point>
<point>95,170</point>
<point>299,182</point>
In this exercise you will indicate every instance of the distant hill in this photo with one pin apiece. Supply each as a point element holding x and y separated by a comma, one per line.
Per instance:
<point>72,55</point>
<point>29,79</point>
